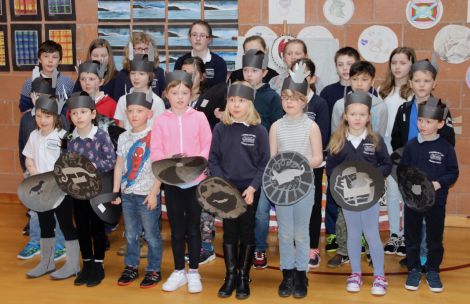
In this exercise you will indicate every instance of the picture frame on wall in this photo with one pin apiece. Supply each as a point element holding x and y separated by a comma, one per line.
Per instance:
<point>25,10</point>
<point>156,31</point>
<point>65,35</point>
<point>3,13</point>
<point>148,10</point>
<point>184,10</point>
<point>25,39</point>
<point>114,11</point>
<point>56,10</point>
<point>4,58</point>
<point>216,11</point>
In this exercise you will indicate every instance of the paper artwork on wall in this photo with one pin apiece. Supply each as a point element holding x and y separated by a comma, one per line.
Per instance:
<point>4,61</point>
<point>156,31</point>
<point>183,10</point>
<point>224,36</point>
<point>221,11</point>
<point>467,77</point>
<point>148,10</point>
<point>25,10</point>
<point>112,11</point>
<point>117,36</point>
<point>424,14</point>
<point>59,10</point>
<point>291,11</point>
<point>64,34</point>
<point>25,39</point>
<point>376,43</point>
<point>452,43</point>
<point>315,31</point>
<point>230,58</point>
<point>338,12</point>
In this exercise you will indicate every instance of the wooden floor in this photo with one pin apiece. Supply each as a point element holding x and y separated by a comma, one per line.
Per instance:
<point>325,285</point>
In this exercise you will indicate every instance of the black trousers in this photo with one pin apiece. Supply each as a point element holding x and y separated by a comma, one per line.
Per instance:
<point>64,214</point>
<point>434,234</point>
<point>242,229</point>
<point>315,218</point>
<point>91,234</point>
<point>184,215</point>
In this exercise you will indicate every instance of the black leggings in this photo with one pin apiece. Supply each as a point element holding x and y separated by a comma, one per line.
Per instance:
<point>91,235</point>
<point>184,214</point>
<point>242,228</point>
<point>64,213</point>
<point>315,218</point>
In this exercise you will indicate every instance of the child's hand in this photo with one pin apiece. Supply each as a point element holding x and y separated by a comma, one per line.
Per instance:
<point>34,96</point>
<point>248,195</point>
<point>151,202</point>
<point>117,201</point>
<point>436,185</point>
<point>218,114</point>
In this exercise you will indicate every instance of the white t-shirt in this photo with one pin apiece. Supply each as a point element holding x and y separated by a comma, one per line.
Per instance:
<point>120,114</point>
<point>44,150</point>
<point>393,102</point>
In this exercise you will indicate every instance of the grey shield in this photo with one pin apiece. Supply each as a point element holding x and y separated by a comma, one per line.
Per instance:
<point>287,178</point>
<point>218,196</point>
<point>356,186</point>
<point>101,204</point>
<point>179,170</point>
<point>40,192</point>
<point>77,176</point>
<point>417,191</point>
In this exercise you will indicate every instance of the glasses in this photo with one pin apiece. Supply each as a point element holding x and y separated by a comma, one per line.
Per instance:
<point>201,36</point>
<point>141,50</point>
<point>287,98</point>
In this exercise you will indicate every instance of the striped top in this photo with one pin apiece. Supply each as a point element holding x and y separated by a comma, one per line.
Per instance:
<point>294,135</point>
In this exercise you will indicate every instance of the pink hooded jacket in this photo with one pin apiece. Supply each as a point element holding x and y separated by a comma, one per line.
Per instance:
<point>189,133</point>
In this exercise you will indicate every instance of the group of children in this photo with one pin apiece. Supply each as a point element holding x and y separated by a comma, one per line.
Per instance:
<point>237,127</point>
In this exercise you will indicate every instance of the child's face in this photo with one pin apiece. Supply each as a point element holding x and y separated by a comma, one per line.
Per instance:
<point>100,54</point>
<point>199,38</point>
<point>141,48</point>
<point>138,116</point>
<point>90,83</point>
<point>422,84</point>
<point>139,80</point>
<point>361,82</point>
<point>291,104</point>
<point>82,117</point>
<point>179,97</point>
<point>254,76</point>
<point>253,45</point>
<point>238,107</point>
<point>44,121</point>
<point>343,64</point>
<point>357,115</point>
<point>49,61</point>
<point>293,52</point>
<point>428,127</point>
<point>400,66</point>
<point>189,68</point>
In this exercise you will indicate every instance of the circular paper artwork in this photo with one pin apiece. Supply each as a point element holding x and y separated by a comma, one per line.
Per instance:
<point>467,77</point>
<point>315,32</point>
<point>452,43</point>
<point>338,12</point>
<point>424,14</point>
<point>262,31</point>
<point>276,51</point>
<point>376,43</point>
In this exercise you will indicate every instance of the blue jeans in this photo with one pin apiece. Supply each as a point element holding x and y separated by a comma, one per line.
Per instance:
<point>293,233</point>
<point>35,231</point>
<point>136,217</point>
<point>262,222</point>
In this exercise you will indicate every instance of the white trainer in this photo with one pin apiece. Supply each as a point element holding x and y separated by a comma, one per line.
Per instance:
<point>194,282</point>
<point>175,281</point>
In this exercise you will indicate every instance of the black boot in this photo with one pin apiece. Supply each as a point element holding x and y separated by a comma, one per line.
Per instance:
<point>96,275</point>
<point>245,256</point>
<point>287,285</point>
<point>82,277</point>
<point>300,284</point>
<point>230,257</point>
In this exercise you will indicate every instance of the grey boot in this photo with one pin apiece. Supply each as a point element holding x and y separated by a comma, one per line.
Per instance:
<point>46,264</point>
<point>72,263</point>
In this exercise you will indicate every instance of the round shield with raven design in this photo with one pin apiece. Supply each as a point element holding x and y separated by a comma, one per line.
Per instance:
<point>101,204</point>
<point>218,196</point>
<point>179,170</point>
<point>356,186</point>
<point>77,176</point>
<point>416,189</point>
<point>40,192</point>
<point>287,178</point>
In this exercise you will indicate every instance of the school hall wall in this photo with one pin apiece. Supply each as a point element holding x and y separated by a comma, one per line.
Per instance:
<point>451,85</point>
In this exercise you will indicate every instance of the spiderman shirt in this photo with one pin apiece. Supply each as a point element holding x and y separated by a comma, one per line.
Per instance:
<point>134,148</point>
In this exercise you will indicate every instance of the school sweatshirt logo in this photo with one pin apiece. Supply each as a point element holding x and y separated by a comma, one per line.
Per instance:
<point>435,157</point>
<point>369,149</point>
<point>248,140</point>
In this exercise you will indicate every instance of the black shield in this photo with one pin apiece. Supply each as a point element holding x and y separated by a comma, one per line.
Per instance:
<point>179,170</point>
<point>101,203</point>
<point>356,186</point>
<point>417,191</point>
<point>287,178</point>
<point>77,176</point>
<point>218,196</point>
<point>40,192</point>
<point>396,158</point>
